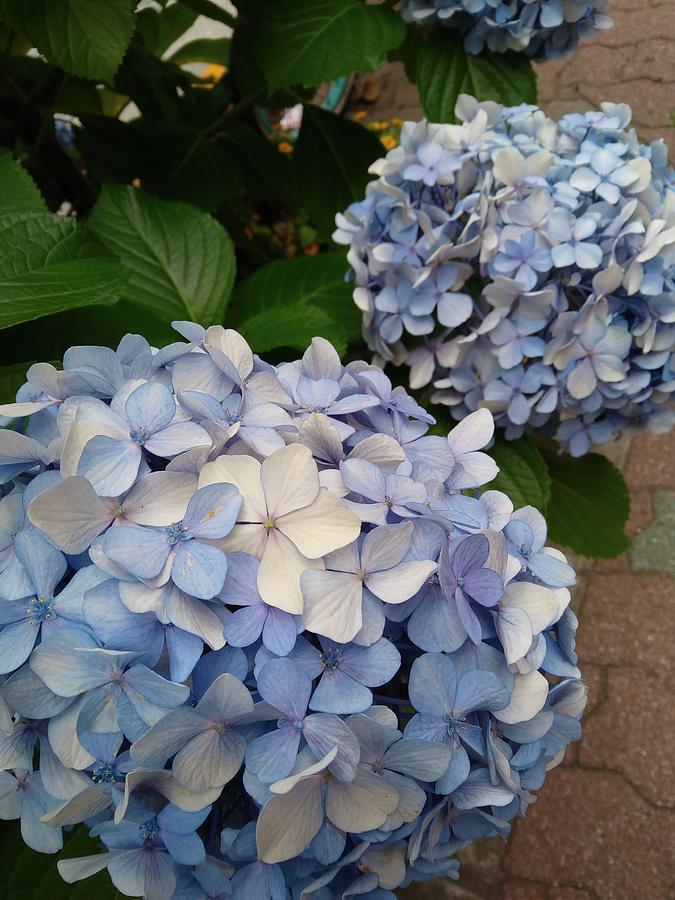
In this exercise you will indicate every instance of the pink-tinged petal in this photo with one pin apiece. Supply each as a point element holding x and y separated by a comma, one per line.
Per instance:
<point>322,732</point>
<point>515,633</point>
<point>71,514</point>
<point>332,604</point>
<point>210,760</point>
<point>81,867</point>
<point>230,352</point>
<point>167,737</point>
<point>385,547</point>
<point>226,700</point>
<point>279,573</point>
<point>427,760</point>
<point>159,498</point>
<point>472,433</point>
<point>581,382</point>
<point>244,473</point>
<point>402,582</point>
<point>147,872</point>
<point>529,696</point>
<point>361,804</point>
<point>288,822</point>
<point>290,480</point>
<point>177,438</point>
<point>322,527</point>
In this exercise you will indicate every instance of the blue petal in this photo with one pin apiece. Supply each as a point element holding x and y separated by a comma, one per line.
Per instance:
<point>141,551</point>
<point>199,569</point>
<point>111,465</point>
<point>212,511</point>
<point>272,756</point>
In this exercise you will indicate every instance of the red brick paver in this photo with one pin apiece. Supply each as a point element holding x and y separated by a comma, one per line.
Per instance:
<point>626,734</point>
<point>590,830</point>
<point>629,620</point>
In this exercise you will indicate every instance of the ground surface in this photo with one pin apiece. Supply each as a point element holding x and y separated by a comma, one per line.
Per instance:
<point>603,827</point>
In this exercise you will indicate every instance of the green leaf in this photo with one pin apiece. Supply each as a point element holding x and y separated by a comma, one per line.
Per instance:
<point>290,326</point>
<point>589,505</point>
<point>264,172</point>
<point>50,337</point>
<point>443,70</point>
<point>180,261</point>
<point>27,875</point>
<point>331,162</point>
<point>173,161</point>
<point>159,28</point>
<point>11,379</point>
<point>18,191</point>
<point>523,475</point>
<point>49,264</point>
<point>208,50</point>
<point>84,37</point>
<point>307,42</point>
<point>316,283</point>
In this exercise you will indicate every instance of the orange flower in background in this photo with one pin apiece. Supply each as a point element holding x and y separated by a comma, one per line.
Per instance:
<point>210,76</point>
<point>360,115</point>
<point>285,147</point>
<point>388,141</point>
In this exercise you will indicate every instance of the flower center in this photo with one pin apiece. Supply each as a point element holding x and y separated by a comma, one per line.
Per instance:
<point>176,533</point>
<point>268,523</point>
<point>524,550</point>
<point>149,830</point>
<point>138,435</point>
<point>41,609</point>
<point>460,582</point>
<point>102,773</point>
<point>330,659</point>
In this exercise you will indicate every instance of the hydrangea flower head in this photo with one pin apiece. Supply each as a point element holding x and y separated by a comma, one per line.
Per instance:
<point>261,632</point>
<point>529,271</point>
<point>541,30</point>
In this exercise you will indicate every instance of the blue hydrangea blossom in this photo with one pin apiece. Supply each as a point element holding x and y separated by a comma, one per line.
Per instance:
<point>524,266</point>
<point>261,632</point>
<point>541,30</point>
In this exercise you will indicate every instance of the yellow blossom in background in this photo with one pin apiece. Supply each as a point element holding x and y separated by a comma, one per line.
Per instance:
<point>360,115</point>
<point>388,141</point>
<point>285,147</point>
<point>214,72</point>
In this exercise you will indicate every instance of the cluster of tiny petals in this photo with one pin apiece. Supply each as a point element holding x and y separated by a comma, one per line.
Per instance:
<point>542,30</point>
<point>524,266</point>
<point>287,651</point>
